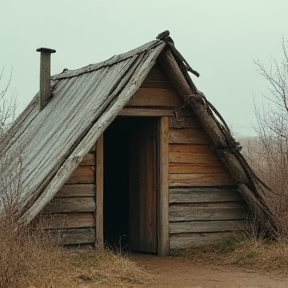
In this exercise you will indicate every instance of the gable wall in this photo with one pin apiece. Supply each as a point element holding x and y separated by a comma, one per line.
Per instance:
<point>204,204</point>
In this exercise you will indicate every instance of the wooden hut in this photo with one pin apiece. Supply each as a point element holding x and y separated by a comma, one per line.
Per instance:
<point>130,148</point>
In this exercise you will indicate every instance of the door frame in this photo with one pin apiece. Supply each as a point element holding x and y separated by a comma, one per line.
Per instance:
<point>163,187</point>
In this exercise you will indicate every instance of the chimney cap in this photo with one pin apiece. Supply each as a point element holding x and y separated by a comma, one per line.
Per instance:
<point>45,50</point>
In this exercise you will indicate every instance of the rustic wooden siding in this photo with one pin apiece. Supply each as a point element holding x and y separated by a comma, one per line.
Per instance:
<point>204,204</point>
<point>203,215</point>
<point>71,213</point>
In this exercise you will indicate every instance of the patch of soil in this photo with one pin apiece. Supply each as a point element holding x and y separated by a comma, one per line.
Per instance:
<point>173,272</point>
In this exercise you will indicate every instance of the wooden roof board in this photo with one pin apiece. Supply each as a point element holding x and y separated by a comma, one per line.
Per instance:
<point>45,139</point>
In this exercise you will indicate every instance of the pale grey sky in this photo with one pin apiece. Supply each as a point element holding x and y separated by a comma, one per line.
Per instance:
<point>220,39</point>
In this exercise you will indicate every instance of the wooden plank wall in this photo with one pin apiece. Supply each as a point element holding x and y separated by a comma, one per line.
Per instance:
<point>204,204</point>
<point>71,213</point>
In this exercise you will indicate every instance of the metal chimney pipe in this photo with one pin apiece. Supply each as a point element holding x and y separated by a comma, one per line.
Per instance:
<point>45,76</point>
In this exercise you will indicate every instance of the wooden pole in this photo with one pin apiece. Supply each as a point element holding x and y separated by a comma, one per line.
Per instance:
<point>99,187</point>
<point>163,225</point>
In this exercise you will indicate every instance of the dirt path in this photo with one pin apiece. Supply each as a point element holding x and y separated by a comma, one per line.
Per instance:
<point>172,272</point>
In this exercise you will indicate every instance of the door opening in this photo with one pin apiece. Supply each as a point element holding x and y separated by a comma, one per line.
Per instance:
<point>130,184</point>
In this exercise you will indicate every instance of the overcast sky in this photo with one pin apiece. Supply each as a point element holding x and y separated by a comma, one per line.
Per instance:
<point>220,39</point>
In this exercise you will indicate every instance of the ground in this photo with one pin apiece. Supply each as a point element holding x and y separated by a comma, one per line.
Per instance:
<point>173,272</point>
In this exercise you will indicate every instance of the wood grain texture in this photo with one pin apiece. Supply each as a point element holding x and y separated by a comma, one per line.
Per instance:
<point>69,205</point>
<point>207,226</point>
<point>189,136</point>
<point>195,158</point>
<point>198,168</point>
<point>83,174</point>
<point>192,148</point>
<point>157,84</point>
<point>184,122</point>
<point>157,73</point>
<point>151,112</point>
<point>186,213</point>
<point>200,180</point>
<point>143,191</point>
<point>71,220</point>
<point>155,97</point>
<point>212,205</point>
<point>75,236</point>
<point>76,190</point>
<point>89,160</point>
<point>203,195</point>
<point>99,192</point>
<point>163,232</point>
<point>183,241</point>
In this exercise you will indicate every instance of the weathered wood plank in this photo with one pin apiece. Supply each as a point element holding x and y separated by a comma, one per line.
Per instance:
<point>157,84</point>
<point>195,158</point>
<point>69,205</point>
<point>189,168</point>
<point>157,73</point>
<point>207,226</point>
<point>186,213</point>
<point>163,232</point>
<point>75,236</point>
<point>152,112</point>
<point>76,190</point>
<point>183,241</point>
<point>192,148</point>
<point>71,220</point>
<point>82,174</point>
<point>212,205</point>
<point>201,195</point>
<point>184,122</point>
<point>200,180</point>
<point>89,160</point>
<point>189,136</point>
<point>156,97</point>
<point>99,192</point>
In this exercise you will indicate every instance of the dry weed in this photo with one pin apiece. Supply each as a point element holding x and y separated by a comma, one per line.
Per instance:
<point>30,258</point>
<point>244,252</point>
<point>106,267</point>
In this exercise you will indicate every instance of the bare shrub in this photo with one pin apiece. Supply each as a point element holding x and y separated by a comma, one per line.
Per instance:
<point>268,154</point>
<point>29,257</point>
<point>7,102</point>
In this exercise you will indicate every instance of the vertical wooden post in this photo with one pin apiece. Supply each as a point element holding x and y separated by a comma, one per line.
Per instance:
<point>99,189</point>
<point>45,77</point>
<point>163,217</point>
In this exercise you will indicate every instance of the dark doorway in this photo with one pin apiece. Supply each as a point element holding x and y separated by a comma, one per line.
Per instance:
<point>130,177</point>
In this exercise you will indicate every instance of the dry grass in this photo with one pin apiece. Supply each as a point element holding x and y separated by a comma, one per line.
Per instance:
<point>30,258</point>
<point>244,252</point>
<point>268,157</point>
<point>105,267</point>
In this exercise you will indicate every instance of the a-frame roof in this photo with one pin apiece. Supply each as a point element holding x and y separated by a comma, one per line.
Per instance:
<point>48,145</point>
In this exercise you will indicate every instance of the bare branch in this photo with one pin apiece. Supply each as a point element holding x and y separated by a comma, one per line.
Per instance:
<point>7,102</point>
